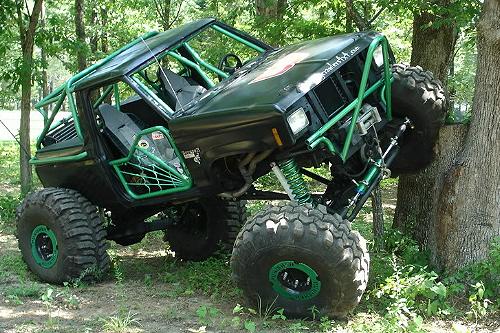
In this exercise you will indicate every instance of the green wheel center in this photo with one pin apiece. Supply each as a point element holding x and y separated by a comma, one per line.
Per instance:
<point>294,280</point>
<point>44,246</point>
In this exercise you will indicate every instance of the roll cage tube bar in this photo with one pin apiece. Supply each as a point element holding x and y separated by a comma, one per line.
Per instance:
<point>68,88</point>
<point>384,83</point>
<point>288,172</point>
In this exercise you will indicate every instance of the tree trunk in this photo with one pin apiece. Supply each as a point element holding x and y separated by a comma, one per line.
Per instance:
<point>265,8</point>
<point>104,36</point>
<point>81,54</point>
<point>378,218</point>
<point>166,14</point>
<point>45,80</point>
<point>432,48</point>
<point>24,127</point>
<point>27,40</point>
<point>94,38</point>
<point>469,204</point>
<point>270,9</point>
<point>349,26</point>
<point>267,14</point>
<point>43,56</point>
<point>418,195</point>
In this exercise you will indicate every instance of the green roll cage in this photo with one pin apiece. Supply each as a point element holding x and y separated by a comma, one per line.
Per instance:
<point>182,181</point>
<point>385,93</point>
<point>67,89</point>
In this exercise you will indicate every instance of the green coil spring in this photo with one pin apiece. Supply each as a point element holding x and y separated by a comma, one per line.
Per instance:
<point>296,182</point>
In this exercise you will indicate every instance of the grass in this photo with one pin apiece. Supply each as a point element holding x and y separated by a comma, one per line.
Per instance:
<point>149,289</point>
<point>9,163</point>
<point>120,323</point>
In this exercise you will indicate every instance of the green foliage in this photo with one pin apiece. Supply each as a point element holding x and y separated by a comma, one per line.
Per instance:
<point>410,294</point>
<point>461,82</point>
<point>211,277</point>
<point>404,247</point>
<point>244,315</point>
<point>8,205</point>
<point>249,325</point>
<point>480,281</point>
<point>298,327</point>
<point>18,293</point>
<point>48,299</point>
<point>120,323</point>
<point>207,314</point>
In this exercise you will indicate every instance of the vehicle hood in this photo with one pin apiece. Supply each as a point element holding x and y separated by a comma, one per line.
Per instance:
<point>272,79</point>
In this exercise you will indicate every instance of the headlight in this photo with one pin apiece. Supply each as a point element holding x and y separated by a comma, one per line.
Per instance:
<point>298,120</point>
<point>378,56</point>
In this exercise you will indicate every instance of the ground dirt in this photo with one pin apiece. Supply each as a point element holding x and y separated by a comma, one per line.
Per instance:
<point>148,290</point>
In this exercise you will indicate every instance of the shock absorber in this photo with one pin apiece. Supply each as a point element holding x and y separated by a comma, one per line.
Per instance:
<point>291,179</point>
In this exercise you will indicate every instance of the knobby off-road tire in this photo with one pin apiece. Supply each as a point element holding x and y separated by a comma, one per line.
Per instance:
<point>299,258</point>
<point>212,225</point>
<point>61,236</point>
<point>416,94</point>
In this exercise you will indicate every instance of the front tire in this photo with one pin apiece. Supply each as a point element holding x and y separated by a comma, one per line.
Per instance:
<point>300,258</point>
<point>61,236</point>
<point>416,94</point>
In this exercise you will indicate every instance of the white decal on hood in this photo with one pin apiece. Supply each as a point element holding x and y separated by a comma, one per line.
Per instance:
<point>281,66</point>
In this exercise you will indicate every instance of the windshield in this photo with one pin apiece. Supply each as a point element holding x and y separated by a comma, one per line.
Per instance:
<point>181,74</point>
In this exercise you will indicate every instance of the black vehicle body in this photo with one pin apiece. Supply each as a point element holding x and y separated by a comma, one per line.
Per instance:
<point>243,114</point>
<point>161,139</point>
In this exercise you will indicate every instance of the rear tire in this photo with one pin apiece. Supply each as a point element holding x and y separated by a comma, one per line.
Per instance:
<point>207,226</point>
<point>297,258</point>
<point>416,94</point>
<point>61,236</point>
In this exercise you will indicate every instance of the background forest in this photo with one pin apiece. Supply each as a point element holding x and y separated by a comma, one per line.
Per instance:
<point>104,26</point>
<point>44,42</point>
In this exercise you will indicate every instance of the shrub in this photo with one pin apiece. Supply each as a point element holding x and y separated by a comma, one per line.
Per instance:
<point>8,205</point>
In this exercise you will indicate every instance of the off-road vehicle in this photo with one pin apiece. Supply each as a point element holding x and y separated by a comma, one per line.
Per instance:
<point>171,131</point>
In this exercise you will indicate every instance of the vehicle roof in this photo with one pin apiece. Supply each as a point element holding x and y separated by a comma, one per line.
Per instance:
<point>131,58</point>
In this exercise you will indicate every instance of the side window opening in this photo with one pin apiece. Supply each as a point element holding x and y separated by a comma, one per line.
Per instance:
<point>143,155</point>
<point>63,131</point>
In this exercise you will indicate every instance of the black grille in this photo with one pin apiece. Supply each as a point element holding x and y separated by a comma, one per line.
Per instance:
<point>64,131</point>
<point>330,96</point>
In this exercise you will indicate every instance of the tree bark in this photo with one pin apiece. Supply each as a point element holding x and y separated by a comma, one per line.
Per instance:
<point>43,58</point>
<point>270,9</point>
<point>95,36</point>
<point>469,204</point>
<point>378,218</point>
<point>27,40</point>
<point>418,195</point>
<point>166,14</point>
<point>432,48</point>
<point>104,36</point>
<point>81,54</point>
